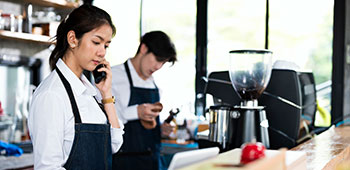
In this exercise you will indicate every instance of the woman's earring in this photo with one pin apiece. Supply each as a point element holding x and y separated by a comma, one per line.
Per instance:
<point>72,46</point>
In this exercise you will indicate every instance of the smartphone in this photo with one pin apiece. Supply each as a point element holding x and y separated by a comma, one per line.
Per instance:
<point>99,76</point>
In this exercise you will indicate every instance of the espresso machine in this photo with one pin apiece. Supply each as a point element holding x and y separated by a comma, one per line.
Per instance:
<point>231,126</point>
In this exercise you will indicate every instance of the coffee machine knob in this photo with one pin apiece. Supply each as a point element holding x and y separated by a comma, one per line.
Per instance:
<point>235,114</point>
<point>264,123</point>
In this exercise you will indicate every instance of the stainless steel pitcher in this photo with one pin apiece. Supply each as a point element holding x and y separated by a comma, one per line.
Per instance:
<point>221,121</point>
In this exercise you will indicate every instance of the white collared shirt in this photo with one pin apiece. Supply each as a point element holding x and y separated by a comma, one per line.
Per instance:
<point>121,90</point>
<point>51,120</point>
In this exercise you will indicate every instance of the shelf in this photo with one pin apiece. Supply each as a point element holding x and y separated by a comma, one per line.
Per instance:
<point>54,3</point>
<point>25,37</point>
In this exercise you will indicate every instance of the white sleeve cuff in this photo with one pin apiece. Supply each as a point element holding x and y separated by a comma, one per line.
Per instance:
<point>117,137</point>
<point>130,113</point>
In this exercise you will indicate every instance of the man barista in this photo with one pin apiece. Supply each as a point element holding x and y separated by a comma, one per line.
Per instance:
<point>138,103</point>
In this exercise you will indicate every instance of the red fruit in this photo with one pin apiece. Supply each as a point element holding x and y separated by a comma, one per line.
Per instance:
<point>252,151</point>
<point>1,110</point>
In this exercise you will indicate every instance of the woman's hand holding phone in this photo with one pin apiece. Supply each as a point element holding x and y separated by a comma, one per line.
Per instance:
<point>103,80</point>
<point>99,76</point>
<point>105,88</point>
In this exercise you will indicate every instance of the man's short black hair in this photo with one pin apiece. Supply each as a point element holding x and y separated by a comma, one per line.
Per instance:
<point>160,45</point>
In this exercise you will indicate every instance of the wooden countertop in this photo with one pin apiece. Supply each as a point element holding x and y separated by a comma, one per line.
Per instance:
<point>328,149</point>
<point>274,160</point>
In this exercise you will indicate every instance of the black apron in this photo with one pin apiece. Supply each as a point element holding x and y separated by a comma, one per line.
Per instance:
<point>141,147</point>
<point>91,149</point>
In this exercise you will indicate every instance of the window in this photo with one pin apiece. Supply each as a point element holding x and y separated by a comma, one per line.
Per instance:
<point>303,37</point>
<point>177,81</point>
<point>233,25</point>
<point>126,18</point>
<point>303,34</point>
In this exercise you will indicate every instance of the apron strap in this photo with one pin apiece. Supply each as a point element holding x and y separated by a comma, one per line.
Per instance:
<point>71,96</point>
<point>102,108</point>
<point>128,73</point>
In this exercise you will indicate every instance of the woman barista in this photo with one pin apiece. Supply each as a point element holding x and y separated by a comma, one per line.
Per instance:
<point>68,128</point>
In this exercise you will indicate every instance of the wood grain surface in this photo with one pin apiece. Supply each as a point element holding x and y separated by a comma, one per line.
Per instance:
<point>328,149</point>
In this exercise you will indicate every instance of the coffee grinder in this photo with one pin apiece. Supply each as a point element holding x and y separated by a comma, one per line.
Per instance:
<point>250,72</point>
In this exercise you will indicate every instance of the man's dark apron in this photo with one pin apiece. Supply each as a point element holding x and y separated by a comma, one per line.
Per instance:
<point>91,148</point>
<point>141,147</point>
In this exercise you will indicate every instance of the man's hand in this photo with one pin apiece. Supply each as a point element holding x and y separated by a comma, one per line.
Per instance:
<point>148,111</point>
<point>166,129</point>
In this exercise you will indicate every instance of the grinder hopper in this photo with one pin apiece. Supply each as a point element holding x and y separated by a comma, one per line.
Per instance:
<point>250,72</point>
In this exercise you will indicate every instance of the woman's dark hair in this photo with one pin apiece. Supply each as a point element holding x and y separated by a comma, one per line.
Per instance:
<point>81,20</point>
<point>160,45</point>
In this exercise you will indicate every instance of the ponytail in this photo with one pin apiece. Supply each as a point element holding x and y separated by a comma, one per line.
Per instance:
<point>61,45</point>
